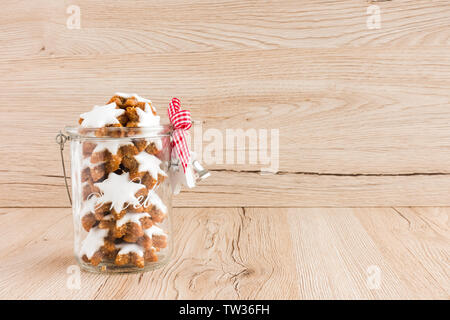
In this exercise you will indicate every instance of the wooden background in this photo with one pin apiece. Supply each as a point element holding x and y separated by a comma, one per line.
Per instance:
<point>363,114</point>
<point>363,117</point>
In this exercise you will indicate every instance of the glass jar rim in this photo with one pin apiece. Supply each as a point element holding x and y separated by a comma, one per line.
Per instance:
<point>113,133</point>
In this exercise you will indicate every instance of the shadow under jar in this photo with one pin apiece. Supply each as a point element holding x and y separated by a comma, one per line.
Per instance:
<point>122,199</point>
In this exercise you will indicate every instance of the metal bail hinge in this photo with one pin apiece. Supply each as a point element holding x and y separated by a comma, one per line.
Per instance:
<point>200,170</point>
<point>61,139</point>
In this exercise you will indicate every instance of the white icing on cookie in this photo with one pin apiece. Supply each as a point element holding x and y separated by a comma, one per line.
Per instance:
<point>123,95</point>
<point>126,248</point>
<point>87,163</point>
<point>88,205</point>
<point>157,142</point>
<point>101,116</point>
<point>147,118</point>
<point>149,163</point>
<point>118,189</point>
<point>133,95</point>
<point>154,230</point>
<point>111,145</point>
<point>131,217</point>
<point>108,217</point>
<point>153,199</point>
<point>93,242</point>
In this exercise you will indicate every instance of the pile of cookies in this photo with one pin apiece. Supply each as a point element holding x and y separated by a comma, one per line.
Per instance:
<point>120,209</point>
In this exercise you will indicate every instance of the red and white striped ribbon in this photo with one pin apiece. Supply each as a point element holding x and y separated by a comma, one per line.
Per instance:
<point>181,122</point>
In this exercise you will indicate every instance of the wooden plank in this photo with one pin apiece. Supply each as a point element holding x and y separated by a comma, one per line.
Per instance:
<point>228,188</point>
<point>362,119</point>
<point>236,253</point>
<point>421,238</point>
<point>38,28</point>
<point>219,253</point>
<point>338,257</point>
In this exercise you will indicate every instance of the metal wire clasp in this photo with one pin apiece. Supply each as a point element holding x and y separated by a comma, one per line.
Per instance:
<point>61,139</point>
<point>201,172</point>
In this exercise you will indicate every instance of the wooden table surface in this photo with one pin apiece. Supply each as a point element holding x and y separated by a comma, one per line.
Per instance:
<point>362,191</point>
<point>245,253</point>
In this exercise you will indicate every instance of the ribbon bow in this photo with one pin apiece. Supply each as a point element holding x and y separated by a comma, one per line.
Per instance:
<point>181,122</point>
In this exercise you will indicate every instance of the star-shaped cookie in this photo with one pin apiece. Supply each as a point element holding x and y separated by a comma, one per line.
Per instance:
<point>112,146</point>
<point>149,163</point>
<point>119,190</point>
<point>101,116</point>
<point>147,118</point>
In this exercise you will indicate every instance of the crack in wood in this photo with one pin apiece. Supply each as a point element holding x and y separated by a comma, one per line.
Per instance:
<point>235,255</point>
<point>30,184</point>
<point>53,176</point>
<point>403,216</point>
<point>99,289</point>
<point>312,173</point>
<point>306,173</point>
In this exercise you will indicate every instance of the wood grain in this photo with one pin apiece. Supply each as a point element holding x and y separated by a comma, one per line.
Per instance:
<point>236,253</point>
<point>228,188</point>
<point>418,232</point>
<point>362,114</point>
<point>336,129</point>
<point>38,28</point>
<point>363,121</point>
<point>338,246</point>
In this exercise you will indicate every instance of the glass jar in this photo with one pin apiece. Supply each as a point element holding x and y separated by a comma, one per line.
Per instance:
<point>122,199</point>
